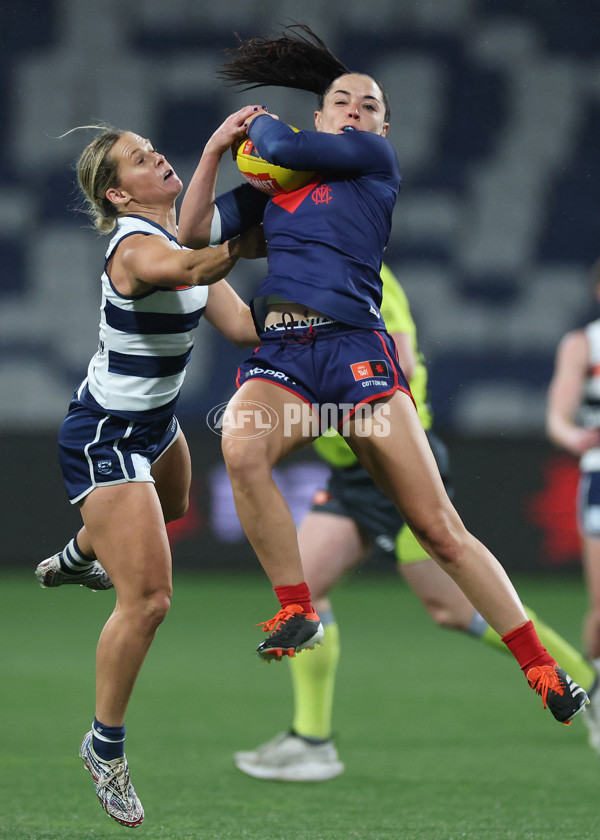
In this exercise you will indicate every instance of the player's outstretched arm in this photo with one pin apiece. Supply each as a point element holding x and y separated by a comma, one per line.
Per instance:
<point>198,203</point>
<point>564,396</point>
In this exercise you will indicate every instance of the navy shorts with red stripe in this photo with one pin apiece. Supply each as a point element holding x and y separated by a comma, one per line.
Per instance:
<point>327,364</point>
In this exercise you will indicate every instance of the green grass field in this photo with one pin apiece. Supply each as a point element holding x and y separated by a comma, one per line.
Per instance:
<point>441,737</point>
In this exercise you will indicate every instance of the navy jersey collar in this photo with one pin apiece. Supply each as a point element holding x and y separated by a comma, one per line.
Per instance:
<point>150,222</point>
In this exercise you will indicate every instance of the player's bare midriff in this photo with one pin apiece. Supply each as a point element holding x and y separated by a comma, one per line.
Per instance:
<point>298,312</point>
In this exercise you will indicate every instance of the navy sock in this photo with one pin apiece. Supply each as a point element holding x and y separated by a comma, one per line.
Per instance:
<point>315,742</point>
<point>108,741</point>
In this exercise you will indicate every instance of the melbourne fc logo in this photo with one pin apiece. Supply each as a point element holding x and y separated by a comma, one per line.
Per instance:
<point>244,419</point>
<point>322,194</point>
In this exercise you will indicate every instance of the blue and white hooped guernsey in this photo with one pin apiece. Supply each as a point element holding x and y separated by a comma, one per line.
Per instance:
<point>145,341</point>
<point>590,404</point>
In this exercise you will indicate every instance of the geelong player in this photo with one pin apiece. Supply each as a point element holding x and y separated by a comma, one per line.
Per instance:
<point>124,458</point>
<point>325,246</point>
<point>573,423</point>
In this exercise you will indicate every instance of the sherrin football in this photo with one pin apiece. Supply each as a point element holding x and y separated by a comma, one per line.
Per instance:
<point>265,176</point>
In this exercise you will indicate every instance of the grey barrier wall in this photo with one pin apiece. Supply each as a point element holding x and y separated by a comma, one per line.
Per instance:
<point>517,495</point>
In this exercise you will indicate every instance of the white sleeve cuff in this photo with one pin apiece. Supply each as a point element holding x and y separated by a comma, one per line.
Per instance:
<point>215,229</point>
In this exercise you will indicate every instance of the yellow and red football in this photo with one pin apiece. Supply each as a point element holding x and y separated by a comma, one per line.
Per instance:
<point>265,176</point>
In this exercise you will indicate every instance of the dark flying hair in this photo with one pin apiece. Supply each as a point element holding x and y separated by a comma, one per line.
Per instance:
<point>297,59</point>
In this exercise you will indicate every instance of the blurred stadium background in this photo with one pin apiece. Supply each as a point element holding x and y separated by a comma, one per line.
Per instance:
<point>496,121</point>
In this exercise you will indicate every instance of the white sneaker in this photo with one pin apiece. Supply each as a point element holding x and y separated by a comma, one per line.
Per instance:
<point>252,756</point>
<point>290,758</point>
<point>49,573</point>
<point>591,715</point>
<point>113,785</point>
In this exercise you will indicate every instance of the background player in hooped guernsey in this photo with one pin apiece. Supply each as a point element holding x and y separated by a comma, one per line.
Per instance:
<point>318,309</point>
<point>124,459</point>
<point>573,423</point>
<point>350,518</point>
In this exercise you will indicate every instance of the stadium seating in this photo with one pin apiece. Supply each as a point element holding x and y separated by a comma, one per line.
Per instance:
<point>495,118</point>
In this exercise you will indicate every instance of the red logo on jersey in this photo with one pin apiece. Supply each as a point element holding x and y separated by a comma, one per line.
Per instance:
<point>292,200</point>
<point>368,370</point>
<point>322,194</point>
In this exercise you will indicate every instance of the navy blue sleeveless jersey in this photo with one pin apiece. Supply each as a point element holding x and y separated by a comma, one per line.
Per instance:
<point>326,240</point>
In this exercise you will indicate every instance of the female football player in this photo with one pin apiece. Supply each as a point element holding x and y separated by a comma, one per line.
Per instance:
<point>324,345</point>
<point>124,458</point>
<point>573,423</point>
<point>351,518</point>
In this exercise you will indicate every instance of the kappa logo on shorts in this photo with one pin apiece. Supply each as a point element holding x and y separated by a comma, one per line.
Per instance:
<point>369,370</point>
<point>276,374</point>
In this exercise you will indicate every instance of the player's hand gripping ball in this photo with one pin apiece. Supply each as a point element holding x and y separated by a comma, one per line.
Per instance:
<point>265,176</point>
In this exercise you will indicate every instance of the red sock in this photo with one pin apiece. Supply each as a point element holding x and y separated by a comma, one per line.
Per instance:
<point>298,594</point>
<point>525,646</point>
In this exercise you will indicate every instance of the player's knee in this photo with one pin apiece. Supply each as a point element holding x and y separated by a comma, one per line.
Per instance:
<point>175,509</point>
<point>155,609</point>
<point>443,615</point>
<point>444,541</point>
<point>592,621</point>
<point>243,461</point>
